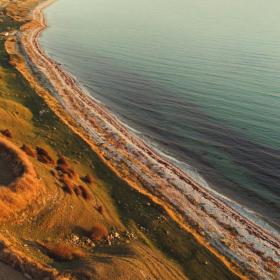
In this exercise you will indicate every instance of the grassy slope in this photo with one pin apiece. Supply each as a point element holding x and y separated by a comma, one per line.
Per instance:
<point>20,109</point>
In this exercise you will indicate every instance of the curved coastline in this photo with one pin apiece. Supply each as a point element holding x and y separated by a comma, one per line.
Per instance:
<point>240,243</point>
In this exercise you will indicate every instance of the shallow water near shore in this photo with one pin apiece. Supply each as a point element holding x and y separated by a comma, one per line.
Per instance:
<point>198,80</point>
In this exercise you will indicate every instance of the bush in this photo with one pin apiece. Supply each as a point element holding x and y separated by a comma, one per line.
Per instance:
<point>28,150</point>
<point>77,191</point>
<point>87,179</point>
<point>43,156</point>
<point>67,185</point>
<point>85,193</point>
<point>98,232</point>
<point>61,161</point>
<point>62,252</point>
<point>6,132</point>
<point>100,209</point>
<point>65,169</point>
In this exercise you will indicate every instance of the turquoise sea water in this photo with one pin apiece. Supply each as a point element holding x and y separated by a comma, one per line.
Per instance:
<point>198,79</point>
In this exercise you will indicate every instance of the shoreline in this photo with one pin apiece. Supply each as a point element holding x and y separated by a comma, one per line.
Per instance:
<point>136,163</point>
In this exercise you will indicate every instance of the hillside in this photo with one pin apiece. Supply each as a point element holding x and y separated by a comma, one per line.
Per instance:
<point>65,215</point>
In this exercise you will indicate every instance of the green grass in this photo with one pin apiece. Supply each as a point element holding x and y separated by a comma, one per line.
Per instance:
<point>136,210</point>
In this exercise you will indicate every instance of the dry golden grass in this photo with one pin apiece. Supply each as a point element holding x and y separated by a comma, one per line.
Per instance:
<point>22,11</point>
<point>98,232</point>
<point>14,116</point>
<point>70,179</point>
<point>23,184</point>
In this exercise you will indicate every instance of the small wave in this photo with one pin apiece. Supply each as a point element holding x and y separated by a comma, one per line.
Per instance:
<point>197,177</point>
<point>130,127</point>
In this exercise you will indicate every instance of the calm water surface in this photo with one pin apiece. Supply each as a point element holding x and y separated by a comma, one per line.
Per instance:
<point>199,79</point>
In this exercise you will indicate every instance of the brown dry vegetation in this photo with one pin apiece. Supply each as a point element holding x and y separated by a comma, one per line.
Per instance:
<point>63,252</point>
<point>18,173</point>
<point>20,10</point>
<point>7,133</point>
<point>98,232</point>
<point>87,179</point>
<point>77,191</point>
<point>100,209</point>
<point>84,192</point>
<point>61,161</point>
<point>68,185</point>
<point>28,150</point>
<point>64,168</point>
<point>43,156</point>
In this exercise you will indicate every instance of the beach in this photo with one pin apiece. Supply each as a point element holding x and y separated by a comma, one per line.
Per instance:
<point>244,246</point>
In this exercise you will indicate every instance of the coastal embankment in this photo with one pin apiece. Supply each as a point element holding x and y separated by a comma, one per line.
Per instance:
<point>246,248</point>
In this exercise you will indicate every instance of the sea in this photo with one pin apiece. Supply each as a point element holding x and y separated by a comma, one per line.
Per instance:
<point>199,80</point>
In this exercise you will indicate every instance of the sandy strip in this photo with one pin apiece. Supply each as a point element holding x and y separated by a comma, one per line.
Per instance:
<point>239,242</point>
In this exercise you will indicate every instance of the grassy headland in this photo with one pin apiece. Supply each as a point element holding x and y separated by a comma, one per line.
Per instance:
<point>143,242</point>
